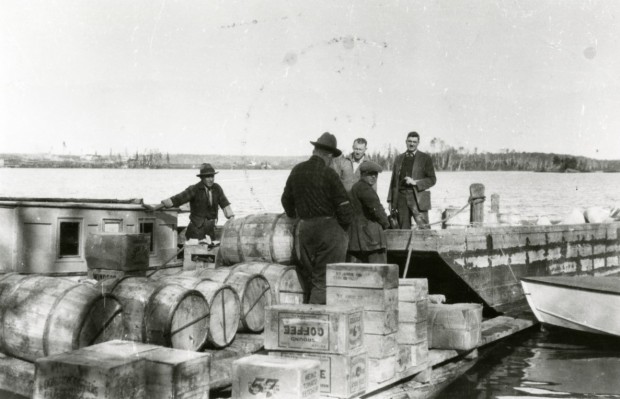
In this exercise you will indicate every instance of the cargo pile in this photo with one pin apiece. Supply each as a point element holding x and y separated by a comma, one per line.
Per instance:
<point>412,323</point>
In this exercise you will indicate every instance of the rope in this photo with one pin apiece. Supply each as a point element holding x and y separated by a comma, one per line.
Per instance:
<point>470,200</point>
<point>166,262</point>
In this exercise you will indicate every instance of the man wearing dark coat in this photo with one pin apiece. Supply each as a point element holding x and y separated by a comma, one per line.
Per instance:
<point>367,241</point>
<point>314,194</point>
<point>412,175</point>
<point>204,199</point>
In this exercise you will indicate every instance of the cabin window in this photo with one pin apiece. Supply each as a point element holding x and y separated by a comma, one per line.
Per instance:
<point>69,239</point>
<point>148,228</point>
<point>112,225</point>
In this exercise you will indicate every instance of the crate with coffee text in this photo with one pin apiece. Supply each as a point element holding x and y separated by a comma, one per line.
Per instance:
<point>314,328</point>
<point>275,378</point>
<point>341,376</point>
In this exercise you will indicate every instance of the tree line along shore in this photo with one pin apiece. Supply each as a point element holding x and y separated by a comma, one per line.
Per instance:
<point>445,158</point>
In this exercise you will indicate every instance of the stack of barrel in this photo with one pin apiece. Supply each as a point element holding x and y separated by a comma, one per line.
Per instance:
<point>375,288</point>
<point>42,316</point>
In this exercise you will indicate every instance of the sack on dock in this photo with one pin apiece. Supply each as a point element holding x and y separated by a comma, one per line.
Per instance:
<point>455,326</point>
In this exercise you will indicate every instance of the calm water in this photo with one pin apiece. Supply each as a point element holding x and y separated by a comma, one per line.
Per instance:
<point>531,365</point>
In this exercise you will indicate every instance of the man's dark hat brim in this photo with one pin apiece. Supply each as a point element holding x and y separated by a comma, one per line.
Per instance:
<point>331,149</point>
<point>207,174</point>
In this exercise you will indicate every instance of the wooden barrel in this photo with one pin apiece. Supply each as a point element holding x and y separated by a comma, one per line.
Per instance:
<point>265,238</point>
<point>224,305</point>
<point>42,316</point>
<point>283,280</point>
<point>161,314</point>
<point>254,295</point>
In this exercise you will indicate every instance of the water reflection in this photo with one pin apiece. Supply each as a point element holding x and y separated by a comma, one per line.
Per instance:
<point>537,364</point>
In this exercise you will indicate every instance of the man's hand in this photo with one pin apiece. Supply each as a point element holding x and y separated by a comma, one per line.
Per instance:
<point>410,181</point>
<point>154,208</point>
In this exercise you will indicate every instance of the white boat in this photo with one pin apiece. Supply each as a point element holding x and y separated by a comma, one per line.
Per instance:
<point>583,303</point>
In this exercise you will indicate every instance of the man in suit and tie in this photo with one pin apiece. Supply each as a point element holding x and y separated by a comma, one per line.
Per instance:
<point>412,175</point>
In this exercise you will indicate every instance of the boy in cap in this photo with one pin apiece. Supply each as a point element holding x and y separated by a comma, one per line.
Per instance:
<point>314,194</point>
<point>367,241</point>
<point>204,198</point>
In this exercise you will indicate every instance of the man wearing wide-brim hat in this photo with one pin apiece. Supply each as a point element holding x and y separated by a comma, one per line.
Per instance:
<point>204,199</point>
<point>315,194</point>
<point>367,240</point>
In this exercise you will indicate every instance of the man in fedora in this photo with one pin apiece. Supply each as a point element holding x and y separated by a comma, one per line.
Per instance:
<point>315,194</point>
<point>367,241</point>
<point>204,199</point>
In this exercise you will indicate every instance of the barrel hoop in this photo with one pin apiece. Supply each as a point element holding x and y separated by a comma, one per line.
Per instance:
<point>239,243</point>
<point>117,281</point>
<point>46,329</point>
<point>119,310</point>
<point>272,251</point>
<point>256,301</point>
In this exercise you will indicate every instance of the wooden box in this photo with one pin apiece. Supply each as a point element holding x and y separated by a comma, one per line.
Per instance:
<point>455,326</point>
<point>314,328</point>
<point>380,346</point>
<point>87,374</point>
<point>412,289</point>
<point>121,348</point>
<point>410,356</point>
<point>275,378</point>
<point>382,369</point>
<point>174,373</point>
<point>117,251</point>
<point>381,321</point>
<point>341,376</point>
<point>413,312</point>
<point>412,333</point>
<point>199,256</point>
<point>362,275</point>
<point>368,298</point>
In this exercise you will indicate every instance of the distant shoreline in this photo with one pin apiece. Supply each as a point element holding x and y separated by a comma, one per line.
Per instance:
<point>449,159</point>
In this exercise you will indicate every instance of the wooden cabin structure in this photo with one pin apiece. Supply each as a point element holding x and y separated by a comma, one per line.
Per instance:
<point>48,235</point>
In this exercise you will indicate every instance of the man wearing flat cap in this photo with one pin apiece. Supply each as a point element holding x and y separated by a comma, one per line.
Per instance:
<point>204,199</point>
<point>367,241</point>
<point>315,194</point>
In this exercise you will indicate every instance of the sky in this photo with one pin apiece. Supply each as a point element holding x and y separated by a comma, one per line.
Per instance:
<point>266,77</point>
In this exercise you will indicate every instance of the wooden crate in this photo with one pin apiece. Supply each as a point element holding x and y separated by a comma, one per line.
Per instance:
<point>380,345</point>
<point>275,378</point>
<point>412,333</point>
<point>456,326</point>
<point>368,298</point>
<point>360,275</point>
<point>412,356</point>
<point>117,251</point>
<point>412,312</point>
<point>341,376</point>
<point>382,369</point>
<point>199,256</point>
<point>412,289</point>
<point>314,328</point>
<point>174,373</point>
<point>121,348</point>
<point>89,374</point>
<point>381,321</point>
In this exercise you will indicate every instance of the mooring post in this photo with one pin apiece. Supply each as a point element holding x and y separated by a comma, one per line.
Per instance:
<point>495,203</point>
<point>476,193</point>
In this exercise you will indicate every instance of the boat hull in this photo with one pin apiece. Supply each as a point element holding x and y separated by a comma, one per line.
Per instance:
<point>581,309</point>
